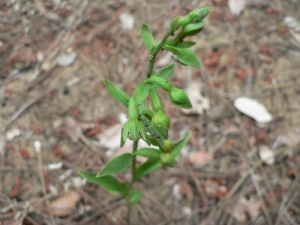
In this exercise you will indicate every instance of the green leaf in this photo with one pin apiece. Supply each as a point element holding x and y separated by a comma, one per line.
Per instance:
<point>161,82</point>
<point>185,44</point>
<point>151,153</point>
<point>141,92</point>
<point>134,197</point>
<point>147,167</point>
<point>116,165</point>
<point>185,56</point>
<point>110,183</point>
<point>166,72</point>
<point>152,164</point>
<point>147,37</point>
<point>116,93</point>
<point>179,145</point>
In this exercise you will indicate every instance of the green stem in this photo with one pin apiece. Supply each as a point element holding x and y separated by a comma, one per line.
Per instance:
<point>155,51</point>
<point>133,178</point>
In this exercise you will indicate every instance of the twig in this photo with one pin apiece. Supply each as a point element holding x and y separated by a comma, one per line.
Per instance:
<point>23,109</point>
<point>239,183</point>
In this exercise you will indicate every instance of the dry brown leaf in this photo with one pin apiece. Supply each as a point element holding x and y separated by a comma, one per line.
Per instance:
<point>245,207</point>
<point>200,158</point>
<point>291,139</point>
<point>186,190</point>
<point>65,205</point>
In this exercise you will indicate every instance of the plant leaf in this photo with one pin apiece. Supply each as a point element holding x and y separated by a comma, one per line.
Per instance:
<point>185,44</point>
<point>185,56</point>
<point>110,183</point>
<point>151,153</point>
<point>116,165</point>
<point>141,92</point>
<point>117,93</point>
<point>179,145</point>
<point>152,164</point>
<point>166,72</point>
<point>147,167</point>
<point>147,37</point>
<point>135,197</point>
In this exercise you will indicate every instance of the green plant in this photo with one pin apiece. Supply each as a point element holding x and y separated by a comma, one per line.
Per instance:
<point>151,124</point>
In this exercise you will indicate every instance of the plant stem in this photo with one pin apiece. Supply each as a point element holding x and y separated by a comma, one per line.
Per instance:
<point>133,178</point>
<point>155,51</point>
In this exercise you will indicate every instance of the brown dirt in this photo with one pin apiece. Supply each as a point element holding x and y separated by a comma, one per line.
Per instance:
<point>253,54</point>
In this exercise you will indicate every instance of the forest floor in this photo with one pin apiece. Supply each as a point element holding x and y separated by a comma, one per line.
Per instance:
<point>54,55</point>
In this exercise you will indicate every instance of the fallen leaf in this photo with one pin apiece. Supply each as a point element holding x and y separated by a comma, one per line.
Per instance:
<point>199,102</point>
<point>24,153</point>
<point>245,207</point>
<point>127,20</point>
<point>291,139</point>
<point>253,109</point>
<point>266,155</point>
<point>65,205</point>
<point>15,191</point>
<point>65,60</point>
<point>11,134</point>
<point>200,158</point>
<point>186,190</point>
<point>236,6</point>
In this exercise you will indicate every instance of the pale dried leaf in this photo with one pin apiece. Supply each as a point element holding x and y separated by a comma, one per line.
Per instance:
<point>253,108</point>
<point>11,134</point>
<point>211,187</point>
<point>244,207</point>
<point>200,158</point>
<point>65,205</point>
<point>291,139</point>
<point>65,60</point>
<point>236,6</point>
<point>200,103</point>
<point>127,20</point>
<point>266,155</point>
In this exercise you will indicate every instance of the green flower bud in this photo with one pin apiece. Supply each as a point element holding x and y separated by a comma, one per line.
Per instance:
<point>167,86</point>
<point>167,159</point>
<point>156,102</point>
<point>188,18</point>
<point>202,13</point>
<point>179,97</point>
<point>132,109</point>
<point>161,122</point>
<point>192,29</point>
<point>168,145</point>
<point>134,130</point>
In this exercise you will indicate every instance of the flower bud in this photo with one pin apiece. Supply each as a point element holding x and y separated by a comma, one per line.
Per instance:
<point>192,29</point>
<point>168,145</point>
<point>179,97</point>
<point>167,159</point>
<point>167,86</point>
<point>156,102</point>
<point>202,13</point>
<point>161,122</point>
<point>134,130</point>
